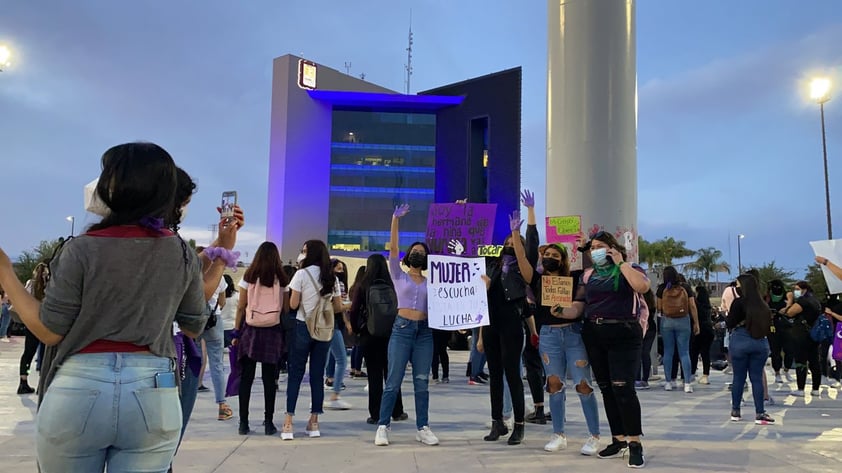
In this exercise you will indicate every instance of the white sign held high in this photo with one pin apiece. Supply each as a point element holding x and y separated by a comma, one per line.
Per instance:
<point>456,294</point>
<point>832,250</point>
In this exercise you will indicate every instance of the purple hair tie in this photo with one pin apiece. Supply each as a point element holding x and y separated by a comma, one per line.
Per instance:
<point>229,257</point>
<point>152,223</point>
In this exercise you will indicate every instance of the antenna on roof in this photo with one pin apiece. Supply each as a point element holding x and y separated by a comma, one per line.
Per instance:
<point>408,65</point>
<point>348,67</point>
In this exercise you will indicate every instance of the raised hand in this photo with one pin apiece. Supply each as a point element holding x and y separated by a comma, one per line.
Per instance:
<point>515,222</point>
<point>527,198</point>
<point>401,210</point>
<point>455,246</point>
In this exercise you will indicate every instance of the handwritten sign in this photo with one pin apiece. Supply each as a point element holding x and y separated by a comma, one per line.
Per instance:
<point>459,229</point>
<point>832,250</point>
<point>489,250</point>
<point>570,225</point>
<point>566,230</point>
<point>556,290</point>
<point>456,294</point>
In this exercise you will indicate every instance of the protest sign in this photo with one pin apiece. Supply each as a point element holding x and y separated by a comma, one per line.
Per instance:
<point>556,290</point>
<point>456,294</point>
<point>832,250</point>
<point>566,231</point>
<point>459,229</point>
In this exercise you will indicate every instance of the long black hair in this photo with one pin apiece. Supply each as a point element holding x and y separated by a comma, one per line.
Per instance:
<point>317,256</point>
<point>230,287</point>
<point>138,181</point>
<point>757,311</point>
<point>670,276</point>
<point>266,267</point>
<point>343,276</point>
<point>376,270</point>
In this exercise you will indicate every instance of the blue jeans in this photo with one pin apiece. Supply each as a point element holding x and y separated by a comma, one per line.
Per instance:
<point>748,356</point>
<point>340,361</point>
<point>5,320</point>
<point>563,351</point>
<point>302,348</point>
<point>104,410</point>
<point>477,358</point>
<point>676,332</point>
<point>411,341</point>
<point>215,343</point>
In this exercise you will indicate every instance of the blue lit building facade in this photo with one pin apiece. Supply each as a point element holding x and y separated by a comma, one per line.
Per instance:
<point>344,153</point>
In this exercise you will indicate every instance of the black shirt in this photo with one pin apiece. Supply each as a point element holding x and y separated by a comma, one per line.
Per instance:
<point>543,314</point>
<point>758,327</point>
<point>811,308</point>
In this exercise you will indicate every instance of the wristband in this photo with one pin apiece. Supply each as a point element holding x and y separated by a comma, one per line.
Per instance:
<point>227,256</point>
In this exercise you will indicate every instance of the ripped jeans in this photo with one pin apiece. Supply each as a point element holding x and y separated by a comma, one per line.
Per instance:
<point>411,341</point>
<point>563,351</point>
<point>614,353</point>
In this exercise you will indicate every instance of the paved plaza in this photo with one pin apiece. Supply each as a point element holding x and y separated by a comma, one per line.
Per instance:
<point>684,432</point>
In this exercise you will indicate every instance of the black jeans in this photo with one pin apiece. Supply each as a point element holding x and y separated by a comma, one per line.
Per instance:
<point>247,370</point>
<point>440,356</point>
<point>375,350</point>
<point>534,372</point>
<point>646,354</point>
<point>503,343</point>
<point>30,347</point>
<point>700,346</point>
<point>806,354</point>
<point>614,352</point>
<point>776,345</point>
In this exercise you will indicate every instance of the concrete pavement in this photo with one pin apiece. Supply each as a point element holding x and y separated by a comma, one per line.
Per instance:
<point>684,433</point>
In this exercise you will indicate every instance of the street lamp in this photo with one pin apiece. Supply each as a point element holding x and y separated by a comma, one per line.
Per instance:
<point>72,221</point>
<point>740,253</point>
<point>5,54</point>
<point>820,92</point>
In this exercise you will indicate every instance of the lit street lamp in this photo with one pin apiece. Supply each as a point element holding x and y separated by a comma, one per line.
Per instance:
<point>820,92</point>
<point>5,54</point>
<point>739,252</point>
<point>72,221</point>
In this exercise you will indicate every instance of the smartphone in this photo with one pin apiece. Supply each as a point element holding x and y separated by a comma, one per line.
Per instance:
<point>165,380</point>
<point>229,200</point>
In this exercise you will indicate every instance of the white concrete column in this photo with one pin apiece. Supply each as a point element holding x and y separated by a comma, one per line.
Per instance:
<point>592,115</point>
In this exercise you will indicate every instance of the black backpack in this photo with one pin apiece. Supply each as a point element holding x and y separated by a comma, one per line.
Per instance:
<point>381,308</point>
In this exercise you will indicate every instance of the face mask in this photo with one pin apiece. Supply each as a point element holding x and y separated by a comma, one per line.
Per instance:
<point>777,297</point>
<point>183,213</point>
<point>599,256</point>
<point>93,203</point>
<point>797,293</point>
<point>507,251</point>
<point>551,265</point>
<point>416,260</point>
<point>301,257</point>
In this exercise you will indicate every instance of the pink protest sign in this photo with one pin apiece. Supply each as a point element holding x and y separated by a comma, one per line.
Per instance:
<point>566,230</point>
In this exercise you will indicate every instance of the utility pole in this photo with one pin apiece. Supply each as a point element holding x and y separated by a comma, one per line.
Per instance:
<point>212,229</point>
<point>408,65</point>
<point>348,67</point>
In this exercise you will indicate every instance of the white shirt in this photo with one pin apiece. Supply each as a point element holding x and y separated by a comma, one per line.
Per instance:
<point>229,312</point>
<point>220,289</point>
<point>310,294</point>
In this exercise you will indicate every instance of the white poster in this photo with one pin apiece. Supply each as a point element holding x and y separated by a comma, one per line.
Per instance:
<point>456,294</point>
<point>832,250</point>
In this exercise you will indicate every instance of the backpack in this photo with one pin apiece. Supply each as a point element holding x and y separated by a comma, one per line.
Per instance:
<point>381,309</point>
<point>320,320</point>
<point>640,309</point>
<point>264,305</point>
<point>822,330</point>
<point>675,302</point>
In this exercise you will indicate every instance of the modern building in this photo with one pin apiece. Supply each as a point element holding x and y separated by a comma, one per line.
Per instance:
<point>344,152</point>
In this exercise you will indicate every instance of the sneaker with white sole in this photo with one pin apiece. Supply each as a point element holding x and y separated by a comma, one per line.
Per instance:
<point>787,377</point>
<point>705,379</point>
<point>668,386</point>
<point>337,405</point>
<point>798,393</point>
<point>688,388</point>
<point>778,378</point>
<point>556,443</point>
<point>591,446</point>
<point>381,438</point>
<point>836,384</point>
<point>426,436</point>
<point>764,419</point>
<point>735,415</point>
<point>816,392</point>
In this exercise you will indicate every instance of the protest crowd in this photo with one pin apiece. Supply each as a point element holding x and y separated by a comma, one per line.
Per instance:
<point>125,318</point>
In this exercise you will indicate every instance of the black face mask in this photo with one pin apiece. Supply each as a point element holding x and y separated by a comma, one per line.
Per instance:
<point>739,291</point>
<point>416,260</point>
<point>507,251</point>
<point>551,265</point>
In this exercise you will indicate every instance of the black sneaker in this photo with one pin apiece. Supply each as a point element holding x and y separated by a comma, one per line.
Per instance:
<point>616,448</point>
<point>483,375</point>
<point>24,388</point>
<point>735,415</point>
<point>764,419</point>
<point>636,459</point>
<point>203,388</point>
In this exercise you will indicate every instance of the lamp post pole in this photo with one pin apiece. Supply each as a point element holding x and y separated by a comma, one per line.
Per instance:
<point>826,177</point>
<point>72,221</point>
<point>740,253</point>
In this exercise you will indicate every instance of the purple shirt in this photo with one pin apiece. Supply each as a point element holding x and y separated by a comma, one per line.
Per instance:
<point>410,294</point>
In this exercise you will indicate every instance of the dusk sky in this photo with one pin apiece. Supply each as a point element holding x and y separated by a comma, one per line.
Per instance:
<point>728,141</point>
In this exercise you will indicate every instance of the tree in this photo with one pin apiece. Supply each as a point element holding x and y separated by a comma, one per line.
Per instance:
<point>647,252</point>
<point>669,249</point>
<point>29,259</point>
<point>815,278</point>
<point>770,271</point>
<point>709,260</point>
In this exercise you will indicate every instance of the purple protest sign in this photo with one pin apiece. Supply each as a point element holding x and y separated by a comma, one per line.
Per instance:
<point>459,229</point>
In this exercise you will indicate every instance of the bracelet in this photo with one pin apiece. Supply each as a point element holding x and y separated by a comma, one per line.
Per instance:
<point>227,256</point>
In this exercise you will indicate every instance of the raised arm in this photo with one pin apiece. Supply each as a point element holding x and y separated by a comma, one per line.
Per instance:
<point>526,269</point>
<point>835,269</point>
<point>528,200</point>
<point>399,212</point>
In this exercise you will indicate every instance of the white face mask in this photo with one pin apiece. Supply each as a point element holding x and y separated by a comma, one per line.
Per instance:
<point>797,293</point>
<point>93,203</point>
<point>301,257</point>
<point>183,213</point>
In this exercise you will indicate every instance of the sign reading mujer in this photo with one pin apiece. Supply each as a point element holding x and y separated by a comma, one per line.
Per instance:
<point>456,294</point>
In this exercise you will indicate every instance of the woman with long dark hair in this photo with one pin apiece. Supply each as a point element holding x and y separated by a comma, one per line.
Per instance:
<point>260,344</point>
<point>779,299</point>
<point>701,343</point>
<point>35,286</point>
<point>679,322</point>
<point>314,280</point>
<point>375,349</point>
<point>803,313</point>
<point>357,351</point>
<point>750,320</point>
<point>338,356</point>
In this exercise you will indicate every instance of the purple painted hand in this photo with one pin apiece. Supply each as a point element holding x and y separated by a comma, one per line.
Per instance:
<point>401,210</point>
<point>528,198</point>
<point>515,222</point>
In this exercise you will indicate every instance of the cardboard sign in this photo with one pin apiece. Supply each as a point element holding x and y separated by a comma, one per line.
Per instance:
<point>556,290</point>
<point>456,294</point>
<point>459,229</point>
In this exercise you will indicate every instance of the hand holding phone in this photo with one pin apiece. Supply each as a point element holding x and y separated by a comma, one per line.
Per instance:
<point>229,200</point>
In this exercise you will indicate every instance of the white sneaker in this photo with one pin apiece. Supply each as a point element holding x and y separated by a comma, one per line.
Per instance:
<point>778,378</point>
<point>798,392</point>
<point>704,379</point>
<point>668,386</point>
<point>5,340</point>
<point>365,389</point>
<point>556,443</point>
<point>338,405</point>
<point>688,388</point>
<point>727,370</point>
<point>426,436</point>
<point>381,438</point>
<point>591,446</point>
<point>816,392</point>
<point>826,381</point>
<point>787,377</point>
<point>836,384</point>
